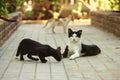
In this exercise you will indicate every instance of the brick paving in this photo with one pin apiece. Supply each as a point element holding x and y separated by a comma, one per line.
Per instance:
<point>105,66</point>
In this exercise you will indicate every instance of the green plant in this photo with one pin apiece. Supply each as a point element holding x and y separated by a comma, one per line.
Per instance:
<point>109,5</point>
<point>43,7</point>
<point>14,5</point>
<point>78,9</point>
<point>114,4</point>
<point>29,13</point>
<point>55,5</point>
<point>7,6</point>
<point>3,8</point>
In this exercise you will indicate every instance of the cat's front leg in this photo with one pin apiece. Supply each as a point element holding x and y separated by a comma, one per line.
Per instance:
<point>65,54</point>
<point>21,57</point>
<point>74,56</point>
<point>43,60</point>
<point>53,27</point>
<point>64,29</point>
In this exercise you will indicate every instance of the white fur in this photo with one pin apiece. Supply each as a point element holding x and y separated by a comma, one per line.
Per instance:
<point>74,46</point>
<point>61,22</point>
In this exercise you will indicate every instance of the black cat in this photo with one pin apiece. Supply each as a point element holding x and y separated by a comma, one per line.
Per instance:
<point>30,47</point>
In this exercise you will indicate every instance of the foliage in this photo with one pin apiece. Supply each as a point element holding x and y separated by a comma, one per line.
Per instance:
<point>45,6</point>
<point>51,4</point>
<point>3,8</point>
<point>55,5</point>
<point>106,5</point>
<point>14,5</point>
<point>115,4</point>
<point>29,13</point>
<point>78,9</point>
<point>109,5</point>
<point>8,6</point>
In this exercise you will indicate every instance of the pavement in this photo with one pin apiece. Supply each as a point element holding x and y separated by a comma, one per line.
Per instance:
<point>105,66</point>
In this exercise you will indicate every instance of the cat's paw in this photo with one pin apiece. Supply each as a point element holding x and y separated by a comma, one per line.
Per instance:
<point>36,59</point>
<point>44,61</point>
<point>22,59</point>
<point>71,57</point>
<point>64,56</point>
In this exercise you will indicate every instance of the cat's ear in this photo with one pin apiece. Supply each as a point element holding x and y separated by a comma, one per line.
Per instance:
<point>70,30</point>
<point>58,49</point>
<point>79,31</point>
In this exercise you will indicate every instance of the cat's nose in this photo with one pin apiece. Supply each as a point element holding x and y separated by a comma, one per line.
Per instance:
<point>73,39</point>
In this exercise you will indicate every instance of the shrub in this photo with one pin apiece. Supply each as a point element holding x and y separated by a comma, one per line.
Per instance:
<point>3,8</point>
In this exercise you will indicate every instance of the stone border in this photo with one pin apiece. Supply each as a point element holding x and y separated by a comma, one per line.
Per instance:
<point>7,28</point>
<point>109,21</point>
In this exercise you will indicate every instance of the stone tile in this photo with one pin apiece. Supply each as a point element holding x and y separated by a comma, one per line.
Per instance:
<point>104,66</point>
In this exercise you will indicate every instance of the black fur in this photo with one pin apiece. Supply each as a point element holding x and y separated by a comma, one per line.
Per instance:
<point>30,47</point>
<point>65,54</point>
<point>70,33</point>
<point>90,50</point>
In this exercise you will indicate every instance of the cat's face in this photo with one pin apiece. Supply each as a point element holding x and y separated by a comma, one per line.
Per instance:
<point>58,55</point>
<point>74,36</point>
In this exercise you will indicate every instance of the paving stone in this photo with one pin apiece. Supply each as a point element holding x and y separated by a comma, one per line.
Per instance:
<point>104,66</point>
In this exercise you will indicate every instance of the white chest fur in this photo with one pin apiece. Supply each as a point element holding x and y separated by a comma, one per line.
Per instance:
<point>74,44</point>
<point>74,47</point>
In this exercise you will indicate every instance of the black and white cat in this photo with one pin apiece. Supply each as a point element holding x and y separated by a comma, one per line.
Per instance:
<point>76,48</point>
<point>31,47</point>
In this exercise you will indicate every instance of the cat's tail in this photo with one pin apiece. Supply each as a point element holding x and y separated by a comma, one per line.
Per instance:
<point>99,51</point>
<point>18,51</point>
